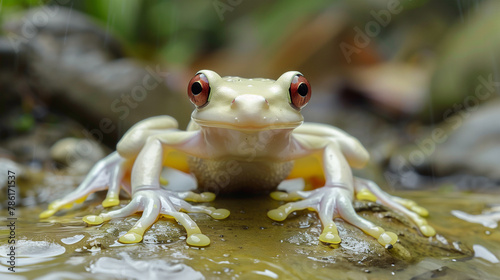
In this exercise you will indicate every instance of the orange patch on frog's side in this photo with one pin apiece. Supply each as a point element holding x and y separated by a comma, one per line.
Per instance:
<point>310,169</point>
<point>176,160</point>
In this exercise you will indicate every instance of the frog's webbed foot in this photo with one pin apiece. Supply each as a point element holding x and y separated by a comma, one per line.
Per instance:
<point>330,203</point>
<point>106,174</point>
<point>155,202</point>
<point>368,190</point>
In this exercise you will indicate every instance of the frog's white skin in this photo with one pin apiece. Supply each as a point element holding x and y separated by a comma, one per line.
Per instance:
<point>249,131</point>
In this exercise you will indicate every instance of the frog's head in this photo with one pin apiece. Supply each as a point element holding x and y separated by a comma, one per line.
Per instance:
<point>255,104</point>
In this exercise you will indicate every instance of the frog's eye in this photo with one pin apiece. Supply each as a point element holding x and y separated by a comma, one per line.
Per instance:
<point>199,90</point>
<point>300,91</point>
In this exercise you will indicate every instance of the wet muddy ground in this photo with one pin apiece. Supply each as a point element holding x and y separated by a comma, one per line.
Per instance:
<point>248,245</point>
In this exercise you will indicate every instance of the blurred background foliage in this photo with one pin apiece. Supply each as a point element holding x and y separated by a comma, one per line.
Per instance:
<point>266,37</point>
<point>407,73</point>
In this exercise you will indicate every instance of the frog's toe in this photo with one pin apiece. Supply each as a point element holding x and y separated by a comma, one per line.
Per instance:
<point>198,239</point>
<point>411,205</point>
<point>330,234</point>
<point>280,196</point>
<point>387,239</point>
<point>207,196</point>
<point>60,204</point>
<point>405,206</point>
<point>163,181</point>
<point>384,238</point>
<point>427,230</point>
<point>126,211</point>
<point>111,200</point>
<point>54,205</point>
<point>151,206</point>
<point>365,194</point>
<point>421,222</point>
<point>218,214</point>
<point>47,213</point>
<point>93,220</point>
<point>279,214</point>
<point>197,197</point>
<point>420,210</point>
<point>131,237</point>
<point>195,237</point>
<point>347,212</point>
<point>293,196</point>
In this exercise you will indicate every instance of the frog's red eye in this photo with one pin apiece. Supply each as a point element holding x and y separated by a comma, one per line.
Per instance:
<point>199,90</point>
<point>300,91</point>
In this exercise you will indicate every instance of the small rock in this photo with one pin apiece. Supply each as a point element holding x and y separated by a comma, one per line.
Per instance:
<point>79,155</point>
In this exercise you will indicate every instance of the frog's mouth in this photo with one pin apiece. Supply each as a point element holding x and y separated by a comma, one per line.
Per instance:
<point>248,126</point>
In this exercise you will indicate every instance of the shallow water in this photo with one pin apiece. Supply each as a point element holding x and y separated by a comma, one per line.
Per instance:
<point>247,245</point>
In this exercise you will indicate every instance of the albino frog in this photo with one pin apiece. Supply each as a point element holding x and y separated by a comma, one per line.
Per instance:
<point>245,135</point>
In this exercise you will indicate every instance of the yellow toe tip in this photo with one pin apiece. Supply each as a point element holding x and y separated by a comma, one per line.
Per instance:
<point>47,213</point>
<point>279,195</point>
<point>207,197</point>
<point>198,239</point>
<point>81,199</point>
<point>130,238</point>
<point>109,202</point>
<point>276,215</point>
<point>53,204</point>
<point>220,214</point>
<point>93,220</point>
<point>387,238</point>
<point>329,237</point>
<point>67,206</point>
<point>420,210</point>
<point>366,195</point>
<point>427,230</point>
<point>163,181</point>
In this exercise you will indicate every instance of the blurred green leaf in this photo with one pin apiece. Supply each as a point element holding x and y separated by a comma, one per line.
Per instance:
<point>120,17</point>
<point>272,18</point>
<point>24,123</point>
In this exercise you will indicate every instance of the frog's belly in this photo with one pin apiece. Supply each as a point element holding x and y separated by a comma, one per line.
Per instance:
<point>233,176</point>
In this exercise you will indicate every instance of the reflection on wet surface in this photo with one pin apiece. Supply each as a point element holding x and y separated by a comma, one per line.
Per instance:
<point>126,267</point>
<point>250,245</point>
<point>488,218</point>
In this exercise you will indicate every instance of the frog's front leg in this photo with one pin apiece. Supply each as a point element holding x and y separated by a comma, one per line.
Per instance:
<point>152,200</point>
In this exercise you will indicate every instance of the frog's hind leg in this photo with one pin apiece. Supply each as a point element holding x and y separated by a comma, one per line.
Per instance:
<point>368,190</point>
<point>109,171</point>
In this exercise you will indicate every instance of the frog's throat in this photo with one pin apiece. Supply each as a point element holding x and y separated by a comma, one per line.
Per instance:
<point>233,126</point>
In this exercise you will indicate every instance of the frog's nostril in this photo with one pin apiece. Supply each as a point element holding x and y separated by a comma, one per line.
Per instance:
<point>250,101</point>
